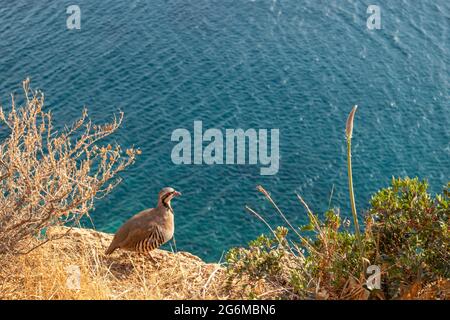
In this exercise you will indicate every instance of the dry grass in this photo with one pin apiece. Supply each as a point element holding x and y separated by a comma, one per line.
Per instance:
<point>42,274</point>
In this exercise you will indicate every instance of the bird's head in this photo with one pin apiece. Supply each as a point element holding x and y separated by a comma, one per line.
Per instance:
<point>165,195</point>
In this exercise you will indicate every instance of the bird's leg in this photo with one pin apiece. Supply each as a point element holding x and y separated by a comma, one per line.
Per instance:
<point>152,259</point>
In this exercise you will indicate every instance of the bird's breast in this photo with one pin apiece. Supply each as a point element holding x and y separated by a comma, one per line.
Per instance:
<point>169,226</point>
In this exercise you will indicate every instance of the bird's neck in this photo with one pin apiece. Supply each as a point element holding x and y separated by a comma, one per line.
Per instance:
<point>166,205</point>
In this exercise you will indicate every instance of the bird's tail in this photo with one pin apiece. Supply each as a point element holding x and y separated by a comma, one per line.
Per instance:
<point>110,249</point>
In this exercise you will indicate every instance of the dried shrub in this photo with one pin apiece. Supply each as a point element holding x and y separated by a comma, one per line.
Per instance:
<point>50,177</point>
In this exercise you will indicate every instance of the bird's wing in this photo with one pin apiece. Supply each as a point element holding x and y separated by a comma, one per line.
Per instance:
<point>135,239</point>
<point>124,231</point>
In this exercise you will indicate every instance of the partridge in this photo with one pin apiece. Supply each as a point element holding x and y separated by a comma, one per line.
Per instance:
<point>149,229</point>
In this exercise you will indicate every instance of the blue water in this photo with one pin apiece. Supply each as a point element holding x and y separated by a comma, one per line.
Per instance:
<point>294,65</point>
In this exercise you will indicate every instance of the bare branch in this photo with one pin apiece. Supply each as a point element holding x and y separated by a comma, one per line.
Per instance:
<point>49,177</point>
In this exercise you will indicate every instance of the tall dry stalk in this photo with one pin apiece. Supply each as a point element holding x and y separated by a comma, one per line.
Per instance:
<point>349,134</point>
<point>50,177</point>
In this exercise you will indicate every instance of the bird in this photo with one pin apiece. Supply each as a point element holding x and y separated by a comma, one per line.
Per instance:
<point>148,229</point>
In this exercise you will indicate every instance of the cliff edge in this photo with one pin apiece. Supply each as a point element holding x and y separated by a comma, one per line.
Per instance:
<point>74,266</point>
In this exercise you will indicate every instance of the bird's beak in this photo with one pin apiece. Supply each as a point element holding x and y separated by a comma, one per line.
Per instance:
<point>177,194</point>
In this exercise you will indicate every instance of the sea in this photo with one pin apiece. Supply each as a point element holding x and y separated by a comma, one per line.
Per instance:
<point>298,66</point>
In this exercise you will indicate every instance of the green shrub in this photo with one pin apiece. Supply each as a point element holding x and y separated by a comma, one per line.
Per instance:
<point>412,233</point>
<point>406,234</point>
<point>262,258</point>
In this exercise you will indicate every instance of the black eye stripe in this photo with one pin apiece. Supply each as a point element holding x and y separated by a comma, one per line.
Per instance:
<point>166,196</point>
